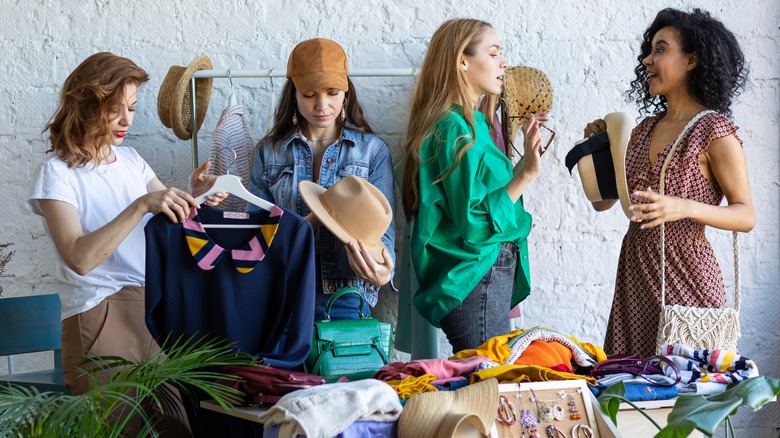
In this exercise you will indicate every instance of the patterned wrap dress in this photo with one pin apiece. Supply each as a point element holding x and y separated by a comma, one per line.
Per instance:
<point>693,276</point>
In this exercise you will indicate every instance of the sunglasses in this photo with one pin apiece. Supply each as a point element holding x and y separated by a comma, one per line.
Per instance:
<point>636,366</point>
<point>547,143</point>
<point>505,122</point>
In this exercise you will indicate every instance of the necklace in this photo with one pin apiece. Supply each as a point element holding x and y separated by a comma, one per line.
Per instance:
<point>320,140</point>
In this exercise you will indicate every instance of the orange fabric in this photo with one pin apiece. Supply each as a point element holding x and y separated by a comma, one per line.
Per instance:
<point>546,354</point>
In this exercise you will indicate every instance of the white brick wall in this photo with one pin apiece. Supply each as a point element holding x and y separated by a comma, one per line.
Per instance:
<point>588,49</point>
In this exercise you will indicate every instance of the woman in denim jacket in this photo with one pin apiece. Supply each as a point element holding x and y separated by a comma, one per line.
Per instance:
<point>321,135</point>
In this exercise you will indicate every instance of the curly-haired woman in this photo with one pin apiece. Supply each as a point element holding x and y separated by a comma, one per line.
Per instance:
<point>690,69</point>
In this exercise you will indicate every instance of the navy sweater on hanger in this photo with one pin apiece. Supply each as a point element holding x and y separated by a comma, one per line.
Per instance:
<point>247,286</point>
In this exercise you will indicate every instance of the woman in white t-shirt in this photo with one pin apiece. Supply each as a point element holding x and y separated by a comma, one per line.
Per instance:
<point>95,197</point>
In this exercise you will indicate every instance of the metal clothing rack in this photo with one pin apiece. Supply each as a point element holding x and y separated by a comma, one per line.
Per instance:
<point>272,73</point>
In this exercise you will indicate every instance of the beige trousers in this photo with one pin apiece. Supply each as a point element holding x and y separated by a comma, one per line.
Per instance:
<point>115,327</point>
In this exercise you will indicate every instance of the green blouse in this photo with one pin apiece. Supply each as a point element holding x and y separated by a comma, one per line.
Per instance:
<point>464,219</point>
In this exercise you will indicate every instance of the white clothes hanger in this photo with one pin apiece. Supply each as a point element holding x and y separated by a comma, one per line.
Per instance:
<point>233,101</point>
<point>232,184</point>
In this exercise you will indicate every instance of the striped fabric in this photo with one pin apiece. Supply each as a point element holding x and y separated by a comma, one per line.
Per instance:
<point>232,136</point>
<point>208,254</point>
<point>719,366</point>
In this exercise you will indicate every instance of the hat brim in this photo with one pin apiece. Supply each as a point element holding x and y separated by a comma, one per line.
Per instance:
<point>311,192</point>
<point>619,126</point>
<point>440,413</point>
<point>323,79</point>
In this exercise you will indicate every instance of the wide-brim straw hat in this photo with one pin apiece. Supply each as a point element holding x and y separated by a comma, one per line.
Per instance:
<point>601,161</point>
<point>174,102</point>
<point>351,209</point>
<point>526,91</point>
<point>441,414</point>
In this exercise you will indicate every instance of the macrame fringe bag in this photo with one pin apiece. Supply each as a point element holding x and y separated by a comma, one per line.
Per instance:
<point>701,328</point>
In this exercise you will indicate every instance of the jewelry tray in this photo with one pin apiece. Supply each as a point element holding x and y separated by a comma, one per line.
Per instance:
<point>534,396</point>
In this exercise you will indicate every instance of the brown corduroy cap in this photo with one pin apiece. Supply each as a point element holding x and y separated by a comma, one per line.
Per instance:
<point>318,63</point>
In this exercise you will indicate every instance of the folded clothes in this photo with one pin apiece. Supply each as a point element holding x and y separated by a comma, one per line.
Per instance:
<point>719,366</point>
<point>327,410</point>
<point>647,391</point>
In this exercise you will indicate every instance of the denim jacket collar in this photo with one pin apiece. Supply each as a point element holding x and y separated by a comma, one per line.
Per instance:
<point>348,135</point>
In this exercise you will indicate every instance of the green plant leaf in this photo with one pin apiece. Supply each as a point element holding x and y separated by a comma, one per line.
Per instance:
<point>611,398</point>
<point>183,364</point>
<point>706,413</point>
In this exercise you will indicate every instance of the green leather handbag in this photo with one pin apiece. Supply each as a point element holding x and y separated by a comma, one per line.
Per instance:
<point>352,348</point>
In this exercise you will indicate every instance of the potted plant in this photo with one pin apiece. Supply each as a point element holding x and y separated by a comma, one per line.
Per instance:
<point>185,365</point>
<point>704,413</point>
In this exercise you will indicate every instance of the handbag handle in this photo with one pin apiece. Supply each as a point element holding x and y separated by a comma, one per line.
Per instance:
<point>340,293</point>
<point>636,366</point>
<point>661,187</point>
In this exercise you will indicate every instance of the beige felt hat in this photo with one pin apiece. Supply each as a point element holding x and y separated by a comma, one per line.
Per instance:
<point>174,102</point>
<point>351,209</point>
<point>601,161</point>
<point>443,414</point>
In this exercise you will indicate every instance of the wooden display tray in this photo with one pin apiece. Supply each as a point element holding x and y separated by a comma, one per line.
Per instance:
<point>555,395</point>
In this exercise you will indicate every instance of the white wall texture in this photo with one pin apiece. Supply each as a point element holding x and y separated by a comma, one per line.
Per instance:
<point>588,50</point>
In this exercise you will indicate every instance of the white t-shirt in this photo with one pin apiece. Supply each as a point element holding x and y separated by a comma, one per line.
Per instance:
<point>99,194</point>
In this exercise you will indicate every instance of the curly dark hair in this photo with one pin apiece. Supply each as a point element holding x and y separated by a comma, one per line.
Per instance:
<point>720,74</point>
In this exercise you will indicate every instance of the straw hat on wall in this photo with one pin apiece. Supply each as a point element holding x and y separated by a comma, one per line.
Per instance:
<point>174,102</point>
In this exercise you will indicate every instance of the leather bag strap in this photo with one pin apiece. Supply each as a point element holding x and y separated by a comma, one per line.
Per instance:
<point>340,293</point>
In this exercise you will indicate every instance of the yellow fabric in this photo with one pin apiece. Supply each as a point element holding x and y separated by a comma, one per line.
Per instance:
<point>526,373</point>
<point>495,348</point>
<point>195,244</point>
<point>413,385</point>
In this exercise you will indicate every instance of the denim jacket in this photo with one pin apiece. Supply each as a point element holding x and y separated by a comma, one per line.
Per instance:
<point>280,166</point>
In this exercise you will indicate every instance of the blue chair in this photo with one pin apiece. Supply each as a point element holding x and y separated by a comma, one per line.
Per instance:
<point>28,325</point>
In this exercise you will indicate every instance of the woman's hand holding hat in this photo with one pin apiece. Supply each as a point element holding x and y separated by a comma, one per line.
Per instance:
<point>595,127</point>
<point>364,265</point>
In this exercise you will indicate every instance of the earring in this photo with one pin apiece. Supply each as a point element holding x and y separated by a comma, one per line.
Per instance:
<point>295,118</point>
<point>343,113</point>
<point>575,415</point>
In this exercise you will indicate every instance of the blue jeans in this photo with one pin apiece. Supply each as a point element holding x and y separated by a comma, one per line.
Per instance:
<point>484,313</point>
<point>346,307</point>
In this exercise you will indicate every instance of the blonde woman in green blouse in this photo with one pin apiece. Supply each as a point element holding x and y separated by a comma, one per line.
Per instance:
<point>468,244</point>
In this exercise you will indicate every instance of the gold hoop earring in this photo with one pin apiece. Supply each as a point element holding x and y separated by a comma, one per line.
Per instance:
<point>295,118</point>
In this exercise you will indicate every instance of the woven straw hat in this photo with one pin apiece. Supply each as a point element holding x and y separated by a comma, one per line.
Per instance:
<point>174,102</point>
<point>601,161</point>
<point>351,209</point>
<point>526,91</point>
<point>444,413</point>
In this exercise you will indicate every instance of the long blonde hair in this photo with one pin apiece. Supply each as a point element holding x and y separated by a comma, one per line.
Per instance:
<point>81,126</point>
<point>441,83</point>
